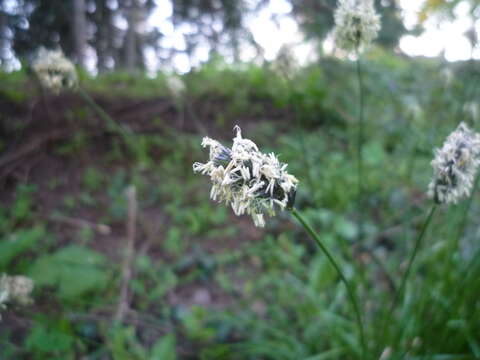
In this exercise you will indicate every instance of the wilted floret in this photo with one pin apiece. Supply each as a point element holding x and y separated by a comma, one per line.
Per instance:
<point>15,289</point>
<point>54,70</point>
<point>356,24</point>
<point>455,165</point>
<point>248,180</point>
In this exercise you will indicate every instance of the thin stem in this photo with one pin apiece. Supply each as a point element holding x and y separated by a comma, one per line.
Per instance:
<point>418,243</point>
<point>454,245</point>
<point>112,124</point>
<point>399,292</point>
<point>467,273</point>
<point>360,150</point>
<point>351,293</point>
<point>466,210</point>
<point>299,125</point>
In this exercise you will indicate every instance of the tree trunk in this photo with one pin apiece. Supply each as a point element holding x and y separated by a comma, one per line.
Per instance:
<point>79,31</point>
<point>104,36</point>
<point>131,37</point>
<point>4,41</point>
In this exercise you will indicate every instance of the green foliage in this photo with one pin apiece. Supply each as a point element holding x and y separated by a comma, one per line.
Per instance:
<point>206,284</point>
<point>124,84</point>
<point>50,339</point>
<point>93,179</point>
<point>124,345</point>
<point>23,203</point>
<point>11,86</point>
<point>164,348</point>
<point>78,142</point>
<point>18,243</point>
<point>244,88</point>
<point>194,322</point>
<point>73,270</point>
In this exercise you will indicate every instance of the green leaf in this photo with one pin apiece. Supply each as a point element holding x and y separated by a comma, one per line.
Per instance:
<point>166,280</point>
<point>194,321</point>
<point>164,348</point>
<point>22,206</point>
<point>43,339</point>
<point>322,274</point>
<point>330,354</point>
<point>125,345</point>
<point>443,357</point>
<point>345,228</point>
<point>18,243</point>
<point>75,270</point>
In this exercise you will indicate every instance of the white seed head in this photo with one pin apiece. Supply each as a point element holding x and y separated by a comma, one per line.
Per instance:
<point>54,70</point>
<point>15,289</point>
<point>455,166</point>
<point>356,24</point>
<point>248,180</point>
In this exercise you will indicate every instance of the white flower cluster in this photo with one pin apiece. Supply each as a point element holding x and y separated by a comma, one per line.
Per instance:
<point>356,24</point>
<point>455,165</point>
<point>15,289</point>
<point>54,70</point>
<point>245,178</point>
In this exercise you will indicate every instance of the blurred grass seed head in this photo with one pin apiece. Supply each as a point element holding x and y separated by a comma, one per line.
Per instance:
<point>15,289</point>
<point>54,70</point>
<point>455,166</point>
<point>356,24</point>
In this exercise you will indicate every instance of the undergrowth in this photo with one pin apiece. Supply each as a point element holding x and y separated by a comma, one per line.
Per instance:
<point>208,285</point>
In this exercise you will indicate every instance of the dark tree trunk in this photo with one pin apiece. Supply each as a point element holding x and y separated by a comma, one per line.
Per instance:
<point>104,36</point>
<point>79,31</point>
<point>131,37</point>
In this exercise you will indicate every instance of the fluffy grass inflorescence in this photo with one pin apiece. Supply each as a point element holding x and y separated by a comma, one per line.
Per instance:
<point>15,289</point>
<point>455,166</point>
<point>54,70</point>
<point>356,24</point>
<point>248,180</point>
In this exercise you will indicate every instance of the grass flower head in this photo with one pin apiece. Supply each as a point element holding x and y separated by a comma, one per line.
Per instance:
<point>356,24</point>
<point>455,166</point>
<point>15,289</point>
<point>246,179</point>
<point>54,70</point>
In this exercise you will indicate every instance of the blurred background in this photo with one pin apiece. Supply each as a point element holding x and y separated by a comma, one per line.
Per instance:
<point>129,256</point>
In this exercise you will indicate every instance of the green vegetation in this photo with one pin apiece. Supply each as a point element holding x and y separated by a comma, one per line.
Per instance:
<point>208,285</point>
